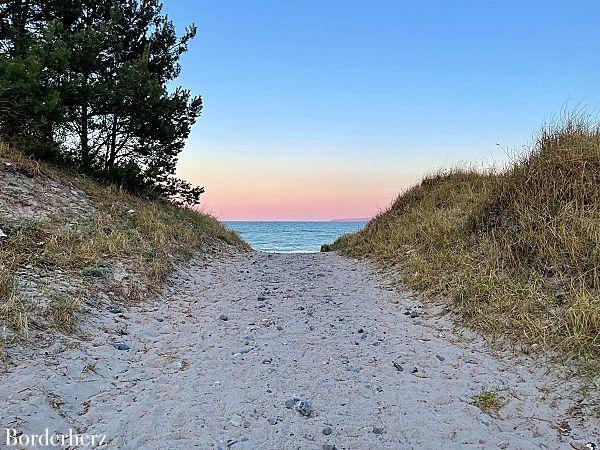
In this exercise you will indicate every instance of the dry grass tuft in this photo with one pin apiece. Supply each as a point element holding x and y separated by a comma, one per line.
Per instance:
<point>64,312</point>
<point>517,250</point>
<point>13,311</point>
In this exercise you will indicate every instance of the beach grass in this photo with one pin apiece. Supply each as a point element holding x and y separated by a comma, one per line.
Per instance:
<point>117,233</point>
<point>517,250</point>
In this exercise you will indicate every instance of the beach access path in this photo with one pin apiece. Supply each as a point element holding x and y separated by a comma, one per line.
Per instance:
<point>252,350</point>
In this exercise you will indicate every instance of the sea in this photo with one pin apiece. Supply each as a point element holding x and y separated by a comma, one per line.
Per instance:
<point>292,237</point>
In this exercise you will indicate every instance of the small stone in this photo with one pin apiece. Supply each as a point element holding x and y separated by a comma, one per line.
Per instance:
<point>267,360</point>
<point>327,430</point>
<point>398,366</point>
<point>329,447</point>
<point>304,407</point>
<point>361,330</point>
<point>236,420</point>
<point>290,402</point>
<point>272,420</point>
<point>377,430</point>
<point>121,346</point>
<point>271,370</point>
<point>440,357</point>
<point>484,419</point>
<point>223,317</point>
<point>114,309</point>
<point>2,234</point>
<point>279,327</point>
<point>414,369</point>
<point>414,313</point>
<point>160,319</point>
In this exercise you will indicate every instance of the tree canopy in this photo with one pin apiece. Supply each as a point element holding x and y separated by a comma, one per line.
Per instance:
<point>86,83</point>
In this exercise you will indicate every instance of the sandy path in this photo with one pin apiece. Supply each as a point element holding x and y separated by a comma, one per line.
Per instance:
<point>293,330</point>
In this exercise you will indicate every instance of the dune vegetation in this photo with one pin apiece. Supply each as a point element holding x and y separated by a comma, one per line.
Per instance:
<point>517,250</point>
<point>68,240</point>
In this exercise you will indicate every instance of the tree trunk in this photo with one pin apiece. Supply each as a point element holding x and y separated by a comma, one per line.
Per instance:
<point>84,133</point>
<point>85,146</point>
<point>113,144</point>
<point>20,24</point>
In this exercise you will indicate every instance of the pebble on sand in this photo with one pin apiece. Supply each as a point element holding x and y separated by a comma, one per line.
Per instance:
<point>304,407</point>
<point>114,309</point>
<point>121,346</point>
<point>377,430</point>
<point>327,430</point>
<point>223,317</point>
<point>236,420</point>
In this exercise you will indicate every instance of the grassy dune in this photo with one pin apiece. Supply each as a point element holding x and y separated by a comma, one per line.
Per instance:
<point>518,251</point>
<point>96,240</point>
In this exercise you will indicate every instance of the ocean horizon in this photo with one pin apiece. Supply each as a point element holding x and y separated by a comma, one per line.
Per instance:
<point>291,236</point>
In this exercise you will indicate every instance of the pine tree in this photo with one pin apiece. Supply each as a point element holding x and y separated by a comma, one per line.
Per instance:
<point>100,71</point>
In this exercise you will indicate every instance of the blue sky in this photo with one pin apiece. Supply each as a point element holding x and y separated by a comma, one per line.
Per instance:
<point>370,94</point>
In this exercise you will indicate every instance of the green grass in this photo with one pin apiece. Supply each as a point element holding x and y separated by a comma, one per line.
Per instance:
<point>489,401</point>
<point>517,250</point>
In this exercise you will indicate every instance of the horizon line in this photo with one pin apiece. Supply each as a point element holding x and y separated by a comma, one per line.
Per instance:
<point>349,220</point>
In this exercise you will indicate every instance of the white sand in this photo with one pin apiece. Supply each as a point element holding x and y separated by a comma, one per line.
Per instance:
<point>188,377</point>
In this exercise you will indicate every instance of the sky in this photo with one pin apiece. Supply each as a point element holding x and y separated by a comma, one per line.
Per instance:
<point>318,110</point>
